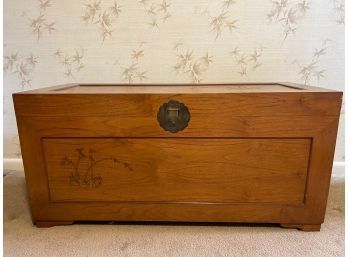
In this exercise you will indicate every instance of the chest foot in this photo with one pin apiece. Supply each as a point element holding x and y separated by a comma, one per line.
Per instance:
<point>48,224</point>
<point>303,227</point>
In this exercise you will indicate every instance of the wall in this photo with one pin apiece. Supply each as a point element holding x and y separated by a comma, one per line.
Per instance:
<point>49,42</point>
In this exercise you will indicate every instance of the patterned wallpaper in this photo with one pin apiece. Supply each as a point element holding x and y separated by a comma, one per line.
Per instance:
<point>49,42</point>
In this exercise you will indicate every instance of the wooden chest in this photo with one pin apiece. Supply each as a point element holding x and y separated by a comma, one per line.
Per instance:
<point>256,153</point>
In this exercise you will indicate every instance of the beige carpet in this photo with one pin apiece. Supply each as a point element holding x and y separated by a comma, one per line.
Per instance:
<point>22,239</point>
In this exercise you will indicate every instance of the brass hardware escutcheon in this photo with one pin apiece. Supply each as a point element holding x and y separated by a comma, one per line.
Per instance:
<point>173,116</point>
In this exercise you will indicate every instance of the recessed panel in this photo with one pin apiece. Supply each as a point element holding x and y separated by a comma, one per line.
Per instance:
<point>177,170</point>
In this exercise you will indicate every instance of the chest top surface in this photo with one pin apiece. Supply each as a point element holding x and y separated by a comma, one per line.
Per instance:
<point>176,88</point>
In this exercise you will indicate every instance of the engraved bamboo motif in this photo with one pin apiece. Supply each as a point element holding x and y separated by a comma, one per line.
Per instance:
<point>88,177</point>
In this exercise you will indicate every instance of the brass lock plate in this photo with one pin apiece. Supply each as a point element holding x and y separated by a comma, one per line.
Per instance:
<point>173,116</point>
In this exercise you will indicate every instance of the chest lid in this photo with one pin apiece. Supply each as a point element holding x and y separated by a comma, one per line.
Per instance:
<point>256,99</point>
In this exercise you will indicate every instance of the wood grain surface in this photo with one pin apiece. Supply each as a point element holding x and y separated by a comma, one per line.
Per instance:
<point>140,106</point>
<point>258,156</point>
<point>177,170</point>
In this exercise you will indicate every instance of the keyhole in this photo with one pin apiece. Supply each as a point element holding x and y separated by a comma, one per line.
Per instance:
<point>173,114</point>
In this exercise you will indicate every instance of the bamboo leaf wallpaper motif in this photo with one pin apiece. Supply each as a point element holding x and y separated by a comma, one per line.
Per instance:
<point>190,65</point>
<point>133,72</point>
<point>157,12</point>
<point>51,42</point>
<point>339,7</point>
<point>41,24</point>
<point>43,4</point>
<point>20,67</point>
<point>247,62</point>
<point>223,21</point>
<point>288,14</point>
<point>103,17</point>
<point>312,69</point>
<point>71,63</point>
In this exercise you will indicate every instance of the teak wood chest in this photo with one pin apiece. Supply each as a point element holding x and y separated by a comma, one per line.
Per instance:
<point>255,153</point>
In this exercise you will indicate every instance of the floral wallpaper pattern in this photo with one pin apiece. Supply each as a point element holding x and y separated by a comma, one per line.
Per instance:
<point>48,42</point>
